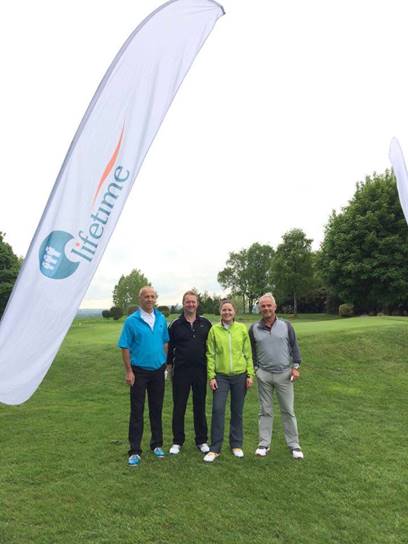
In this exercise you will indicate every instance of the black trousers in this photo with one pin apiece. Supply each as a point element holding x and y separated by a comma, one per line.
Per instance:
<point>151,381</point>
<point>184,379</point>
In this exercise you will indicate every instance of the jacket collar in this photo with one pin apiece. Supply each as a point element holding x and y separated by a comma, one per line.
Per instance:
<point>138,313</point>
<point>263,325</point>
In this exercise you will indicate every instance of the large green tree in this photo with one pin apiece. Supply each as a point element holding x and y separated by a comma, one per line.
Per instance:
<point>293,266</point>
<point>364,255</point>
<point>233,275</point>
<point>248,272</point>
<point>126,291</point>
<point>9,266</point>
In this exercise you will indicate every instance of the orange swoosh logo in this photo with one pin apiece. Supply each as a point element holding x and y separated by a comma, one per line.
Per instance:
<point>110,165</point>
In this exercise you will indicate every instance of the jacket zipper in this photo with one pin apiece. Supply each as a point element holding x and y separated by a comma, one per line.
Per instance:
<point>230,349</point>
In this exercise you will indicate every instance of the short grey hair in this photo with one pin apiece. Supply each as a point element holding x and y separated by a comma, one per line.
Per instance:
<point>267,295</point>
<point>144,288</point>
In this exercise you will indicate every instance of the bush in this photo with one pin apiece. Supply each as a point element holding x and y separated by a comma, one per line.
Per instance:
<point>314,301</point>
<point>346,310</point>
<point>116,312</point>
<point>165,310</point>
<point>106,314</point>
<point>132,309</point>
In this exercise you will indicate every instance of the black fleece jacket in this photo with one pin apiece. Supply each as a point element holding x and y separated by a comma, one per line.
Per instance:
<point>187,344</point>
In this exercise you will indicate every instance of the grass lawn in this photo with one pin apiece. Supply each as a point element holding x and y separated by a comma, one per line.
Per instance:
<point>63,454</point>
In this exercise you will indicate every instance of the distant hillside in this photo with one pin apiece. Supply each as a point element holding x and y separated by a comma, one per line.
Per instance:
<point>89,312</point>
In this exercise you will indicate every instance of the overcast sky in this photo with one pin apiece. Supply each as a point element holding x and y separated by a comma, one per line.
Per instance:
<point>286,107</point>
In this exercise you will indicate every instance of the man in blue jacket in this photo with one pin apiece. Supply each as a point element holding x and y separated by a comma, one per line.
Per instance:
<point>144,347</point>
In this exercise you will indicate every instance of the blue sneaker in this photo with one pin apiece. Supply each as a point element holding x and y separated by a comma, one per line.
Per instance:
<point>134,460</point>
<point>158,452</point>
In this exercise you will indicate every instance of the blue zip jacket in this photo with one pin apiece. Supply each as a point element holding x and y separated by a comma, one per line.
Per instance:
<point>146,346</point>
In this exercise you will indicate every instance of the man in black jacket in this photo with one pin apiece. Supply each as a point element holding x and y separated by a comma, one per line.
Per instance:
<point>187,357</point>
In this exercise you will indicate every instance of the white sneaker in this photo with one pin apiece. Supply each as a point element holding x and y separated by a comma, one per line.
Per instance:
<point>175,449</point>
<point>297,453</point>
<point>204,448</point>
<point>262,451</point>
<point>211,456</point>
<point>237,452</point>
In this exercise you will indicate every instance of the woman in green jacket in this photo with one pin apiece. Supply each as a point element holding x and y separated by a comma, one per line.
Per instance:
<point>230,369</point>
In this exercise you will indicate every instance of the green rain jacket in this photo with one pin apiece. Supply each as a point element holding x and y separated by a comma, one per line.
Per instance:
<point>229,351</point>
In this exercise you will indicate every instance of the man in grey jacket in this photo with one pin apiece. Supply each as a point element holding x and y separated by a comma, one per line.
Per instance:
<point>276,359</point>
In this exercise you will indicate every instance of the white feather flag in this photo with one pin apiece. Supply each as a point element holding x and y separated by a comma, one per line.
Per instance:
<point>92,186</point>
<point>401,174</point>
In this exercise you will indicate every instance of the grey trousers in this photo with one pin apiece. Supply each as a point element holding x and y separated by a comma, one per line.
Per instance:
<point>236,384</point>
<point>268,382</point>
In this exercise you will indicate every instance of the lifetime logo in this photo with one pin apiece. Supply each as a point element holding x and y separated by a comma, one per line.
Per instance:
<point>54,262</point>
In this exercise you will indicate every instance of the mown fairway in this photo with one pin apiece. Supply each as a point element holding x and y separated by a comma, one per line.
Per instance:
<point>63,454</point>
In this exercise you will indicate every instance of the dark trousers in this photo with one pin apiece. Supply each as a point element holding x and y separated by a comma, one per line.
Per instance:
<point>151,381</point>
<point>236,385</point>
<point>184,379</point>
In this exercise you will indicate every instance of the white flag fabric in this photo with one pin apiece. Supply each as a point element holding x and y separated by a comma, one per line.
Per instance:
<point>400,170</point>
<point>95,179</point>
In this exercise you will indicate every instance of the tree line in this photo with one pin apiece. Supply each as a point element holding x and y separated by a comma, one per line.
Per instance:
<point>361,265</point>
<point>125,298</point>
